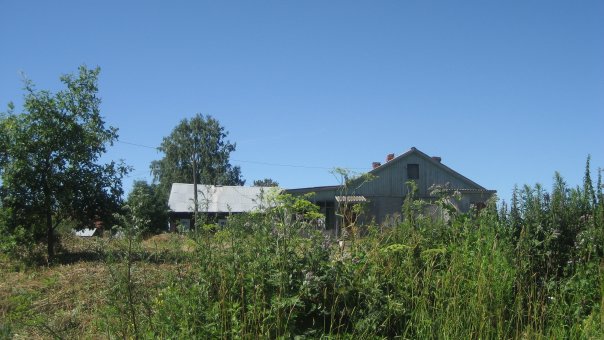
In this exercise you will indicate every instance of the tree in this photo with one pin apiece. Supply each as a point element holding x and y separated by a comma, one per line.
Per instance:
<point>49,159</point>
<point>267,182</point>
<point>196,152</point>
<point>147,209</point>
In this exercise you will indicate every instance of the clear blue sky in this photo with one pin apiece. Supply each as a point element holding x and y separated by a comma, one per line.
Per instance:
<point>506,92</point>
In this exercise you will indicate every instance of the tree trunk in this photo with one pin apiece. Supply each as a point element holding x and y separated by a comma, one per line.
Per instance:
<point>50,237</point>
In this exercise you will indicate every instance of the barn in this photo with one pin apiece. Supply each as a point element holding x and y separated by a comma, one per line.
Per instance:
<point>215,202</point>
<point>382,196</point>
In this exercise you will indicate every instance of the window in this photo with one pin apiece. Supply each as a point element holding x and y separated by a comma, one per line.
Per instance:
<point>185,224</point>
<point>412,171</point>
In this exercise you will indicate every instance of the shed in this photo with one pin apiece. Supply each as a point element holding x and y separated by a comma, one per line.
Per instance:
<point>215,202</point>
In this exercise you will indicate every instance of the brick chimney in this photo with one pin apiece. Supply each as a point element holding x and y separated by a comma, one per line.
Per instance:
<point>376,165</point>
<point>436,158</point>
<point>389,157</point>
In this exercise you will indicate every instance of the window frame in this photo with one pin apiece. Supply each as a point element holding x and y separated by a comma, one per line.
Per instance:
<point>412,171</point>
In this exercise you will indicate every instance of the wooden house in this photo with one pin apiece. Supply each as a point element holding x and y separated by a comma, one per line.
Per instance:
<point>383,194</point>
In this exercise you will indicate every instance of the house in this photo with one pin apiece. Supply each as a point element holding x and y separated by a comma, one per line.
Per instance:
<point>215,202</point>
<point>383,194</point>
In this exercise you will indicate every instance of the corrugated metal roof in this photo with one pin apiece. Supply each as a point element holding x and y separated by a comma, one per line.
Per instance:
<point>216,198</point>
<point>351,199</point>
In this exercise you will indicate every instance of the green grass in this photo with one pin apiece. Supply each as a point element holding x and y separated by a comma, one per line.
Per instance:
<point>273,276</point>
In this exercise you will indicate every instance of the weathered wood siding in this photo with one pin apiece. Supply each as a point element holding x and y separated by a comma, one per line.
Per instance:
<point>385,194</point>
<point>383,208</point>
<point>392,177</point>
<point>469,199</point>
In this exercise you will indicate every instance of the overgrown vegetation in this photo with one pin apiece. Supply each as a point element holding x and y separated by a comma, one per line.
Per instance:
<point>533,270</point>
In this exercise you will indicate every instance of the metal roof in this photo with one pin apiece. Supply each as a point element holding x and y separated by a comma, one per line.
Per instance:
<point>351,199</point>
<point>315,189</point>
<point>217,198</point>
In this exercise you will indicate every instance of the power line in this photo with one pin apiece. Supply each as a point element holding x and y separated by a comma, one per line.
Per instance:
<point>136,144</point>
<point>252,162</point>
<point>284,165</point>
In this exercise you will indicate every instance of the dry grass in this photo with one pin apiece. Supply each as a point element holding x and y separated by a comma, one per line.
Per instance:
<point>64,300</point>
<point>60,299</point>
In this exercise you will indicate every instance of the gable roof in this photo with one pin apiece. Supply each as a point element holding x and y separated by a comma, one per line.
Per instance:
<point>216,198</point>
<point>434,162</point>
<point>472,187</point>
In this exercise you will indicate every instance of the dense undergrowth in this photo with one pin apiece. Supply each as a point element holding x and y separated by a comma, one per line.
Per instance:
<point>534,269</point>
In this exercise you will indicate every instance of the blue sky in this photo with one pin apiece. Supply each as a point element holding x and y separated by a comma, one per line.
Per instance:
<point>506,92</point>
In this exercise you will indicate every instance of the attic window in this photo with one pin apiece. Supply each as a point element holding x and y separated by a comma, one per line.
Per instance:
<point>412,171</point>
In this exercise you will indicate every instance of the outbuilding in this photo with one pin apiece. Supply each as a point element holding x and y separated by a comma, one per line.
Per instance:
<point>214,202</point>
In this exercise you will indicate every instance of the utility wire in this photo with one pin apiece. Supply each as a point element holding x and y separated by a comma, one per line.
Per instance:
<point>284,165</point>
<point>252,162</point>
<point>135,144</point>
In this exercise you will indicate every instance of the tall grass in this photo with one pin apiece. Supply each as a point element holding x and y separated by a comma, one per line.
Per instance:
<point>535,270</point>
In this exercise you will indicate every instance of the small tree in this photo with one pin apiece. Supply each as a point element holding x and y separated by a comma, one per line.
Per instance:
<point>49,159</point>
<point>147,207</point>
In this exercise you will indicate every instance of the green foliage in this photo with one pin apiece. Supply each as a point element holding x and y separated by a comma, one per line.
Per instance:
<point>349,212</point>
<point>452,276</point>
<point>49,159</point>
<point>148,210</point>
<point>196,146</point>
<point>125,295</point>
<point>267,182</point>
